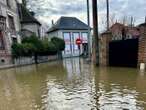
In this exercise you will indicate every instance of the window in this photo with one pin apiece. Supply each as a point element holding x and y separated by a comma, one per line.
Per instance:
<point>75,46</point>
<point>11,22</point>
<point>8,3</point>
<point>67,39</point>
<point>1,41</point>
<point>2,22</point>
<point>14,40</point>
<point>85,37</point>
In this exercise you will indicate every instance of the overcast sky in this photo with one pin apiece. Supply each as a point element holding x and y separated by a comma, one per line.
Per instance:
<point>47,10</point>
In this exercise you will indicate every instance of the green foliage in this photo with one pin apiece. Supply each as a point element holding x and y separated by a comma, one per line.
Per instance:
<point>28,49</point>
<point>59,43</point>
<point>17,50</point>
<point>33,46</point>
<point>35,42</point>
<point>52,49</point>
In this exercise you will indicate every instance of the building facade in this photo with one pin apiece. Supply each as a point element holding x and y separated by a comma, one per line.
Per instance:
<point>9,28</point>
<point>29,24</point>
<point>132,43</point>
<point>70,29</point>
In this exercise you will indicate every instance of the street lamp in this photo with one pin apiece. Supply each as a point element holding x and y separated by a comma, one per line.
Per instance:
<point>95,32</point>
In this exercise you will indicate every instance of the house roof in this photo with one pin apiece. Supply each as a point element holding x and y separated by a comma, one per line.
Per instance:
<point>143,25</point>
<point>117,24</point>
<point>130,30</point>
<point>68,23</point>
<point>26,16</point>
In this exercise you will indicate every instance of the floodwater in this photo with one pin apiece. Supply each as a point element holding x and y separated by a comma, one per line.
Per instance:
<point>72,84</point>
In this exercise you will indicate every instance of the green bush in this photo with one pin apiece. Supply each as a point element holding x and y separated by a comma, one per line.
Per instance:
<point>33,46</point>
<point>17,50</point>
<point>59,43</point>
<point>28,49</point>
<point>52,49</point>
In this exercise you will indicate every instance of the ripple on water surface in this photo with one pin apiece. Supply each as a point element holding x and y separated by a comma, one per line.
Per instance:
<point>72,84</point>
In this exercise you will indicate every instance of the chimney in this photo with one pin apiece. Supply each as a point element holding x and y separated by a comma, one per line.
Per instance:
<point>52,22</point>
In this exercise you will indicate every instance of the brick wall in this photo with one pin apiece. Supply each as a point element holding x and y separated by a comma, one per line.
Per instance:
<point>105,38</point>
<point>142,46</point>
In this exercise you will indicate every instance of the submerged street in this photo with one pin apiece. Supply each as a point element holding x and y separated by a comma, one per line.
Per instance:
<point>72,84</point>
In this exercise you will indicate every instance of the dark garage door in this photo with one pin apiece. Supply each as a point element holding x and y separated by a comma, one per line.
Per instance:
<point>123,53</point>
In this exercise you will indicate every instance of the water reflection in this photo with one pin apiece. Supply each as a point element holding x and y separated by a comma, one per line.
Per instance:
<point>72,84</point>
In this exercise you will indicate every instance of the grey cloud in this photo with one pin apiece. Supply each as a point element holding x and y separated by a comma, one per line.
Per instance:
<point>121,8</point>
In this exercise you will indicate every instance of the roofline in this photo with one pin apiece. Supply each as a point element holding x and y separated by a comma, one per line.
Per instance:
<point>29,22</point>
<point>64,29</point>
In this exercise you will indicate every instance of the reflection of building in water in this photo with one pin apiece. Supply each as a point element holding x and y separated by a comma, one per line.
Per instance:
<point>74,91</point>
<point>14,95</point>
<point>141,85</point>
<point>73,66</point>
<point>117,91</point>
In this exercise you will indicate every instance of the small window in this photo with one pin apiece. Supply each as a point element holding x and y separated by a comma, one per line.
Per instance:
<point>1,41</point>
<point>11,22</point>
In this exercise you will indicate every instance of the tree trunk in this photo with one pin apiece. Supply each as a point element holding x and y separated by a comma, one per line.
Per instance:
<point>36,58</point>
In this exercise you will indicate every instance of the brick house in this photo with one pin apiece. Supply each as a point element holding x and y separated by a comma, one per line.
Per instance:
<point>120,31</point>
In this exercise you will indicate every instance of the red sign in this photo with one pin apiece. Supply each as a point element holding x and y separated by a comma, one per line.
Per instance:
<point>78,41</point>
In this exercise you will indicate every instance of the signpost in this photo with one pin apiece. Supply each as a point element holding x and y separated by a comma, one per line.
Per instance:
<point>79,42</point>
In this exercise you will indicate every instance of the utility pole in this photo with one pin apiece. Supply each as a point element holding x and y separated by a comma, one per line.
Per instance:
<point>107,3</point>
<point>89,33</point>
<point>95,31</point>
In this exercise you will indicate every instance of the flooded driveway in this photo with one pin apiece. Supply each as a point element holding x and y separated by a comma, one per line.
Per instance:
<point>72,84</point>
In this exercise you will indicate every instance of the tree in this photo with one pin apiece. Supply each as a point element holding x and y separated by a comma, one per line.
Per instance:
<point>59,44</point>
<point>33,46</point>
<point>36,44</point>
<point>17,50</point>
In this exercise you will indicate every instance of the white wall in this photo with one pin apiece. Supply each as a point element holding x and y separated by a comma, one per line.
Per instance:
<point>53,34</point>
<point>31,27</point>
<point>59,34</point>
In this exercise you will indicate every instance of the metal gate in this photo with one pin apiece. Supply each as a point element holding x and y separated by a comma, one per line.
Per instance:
<point>123,53</point>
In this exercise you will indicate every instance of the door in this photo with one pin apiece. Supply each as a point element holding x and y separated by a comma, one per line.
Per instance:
<point>67,39</point>
<point>123,53</point>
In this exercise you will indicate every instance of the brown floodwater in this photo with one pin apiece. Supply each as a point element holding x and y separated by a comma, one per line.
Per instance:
<point>72,84</point>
